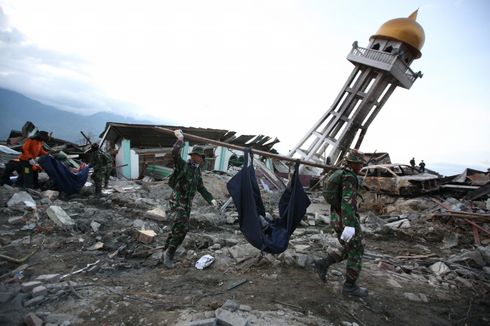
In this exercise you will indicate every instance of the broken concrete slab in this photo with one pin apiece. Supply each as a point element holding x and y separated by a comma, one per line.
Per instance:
<point>28,286</point>
<point>39,291</point>
<point>145,236</point>
<point>34,301</point>
<point>157,213</point>
<point>21,198</point>
<point>48,278</point>
<point>95,226</point>
<point>401,224</point>
<point>59,216</point>
<point>31,319</point>
<point>243,252</point>
<point>229,318</point>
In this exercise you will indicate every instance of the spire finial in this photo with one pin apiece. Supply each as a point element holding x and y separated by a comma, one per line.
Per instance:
<point>413,15</point>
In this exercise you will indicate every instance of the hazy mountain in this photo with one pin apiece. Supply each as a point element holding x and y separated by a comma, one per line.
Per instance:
<point>16,109</point>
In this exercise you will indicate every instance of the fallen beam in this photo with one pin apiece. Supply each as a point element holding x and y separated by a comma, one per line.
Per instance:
<point>241,148</point>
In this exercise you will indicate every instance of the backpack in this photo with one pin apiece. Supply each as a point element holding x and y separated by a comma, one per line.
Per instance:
<point>332,190</point>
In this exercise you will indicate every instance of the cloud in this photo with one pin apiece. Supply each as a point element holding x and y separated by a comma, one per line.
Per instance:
<point>58,79</point>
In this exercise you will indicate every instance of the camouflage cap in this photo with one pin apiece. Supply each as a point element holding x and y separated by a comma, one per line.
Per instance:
<point>354,156</point>
<point>198,150</point>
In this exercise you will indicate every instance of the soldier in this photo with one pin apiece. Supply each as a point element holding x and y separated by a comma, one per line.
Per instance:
<point>185,181</point>
<point>108,169</point>
<point>100,162</point>
<point>422,166</point>
<point>412,163</point>
<point>346,224</point>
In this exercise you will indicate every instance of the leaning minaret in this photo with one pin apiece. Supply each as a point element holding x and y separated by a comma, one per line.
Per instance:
<point>378,69</point>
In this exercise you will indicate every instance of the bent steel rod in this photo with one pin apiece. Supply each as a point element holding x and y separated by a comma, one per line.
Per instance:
<point>242,148</point>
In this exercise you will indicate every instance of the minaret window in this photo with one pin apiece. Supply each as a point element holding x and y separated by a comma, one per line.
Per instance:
<point>375,47</point>
<point>389,49</point>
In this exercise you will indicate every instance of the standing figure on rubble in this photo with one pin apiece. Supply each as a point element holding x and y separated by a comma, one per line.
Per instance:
<point>412,163</point>
<point>100,161</point>
<point>346,224</point>
<point>185,181</point>
<point>422,166</point>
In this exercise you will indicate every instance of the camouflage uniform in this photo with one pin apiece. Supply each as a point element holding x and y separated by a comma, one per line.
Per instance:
<point>354,249</point>
<point>189,181</point>
<point>99,161</point>
<point>108,169</point>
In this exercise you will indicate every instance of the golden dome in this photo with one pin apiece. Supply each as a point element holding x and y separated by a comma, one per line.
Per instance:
<point>405,30</point>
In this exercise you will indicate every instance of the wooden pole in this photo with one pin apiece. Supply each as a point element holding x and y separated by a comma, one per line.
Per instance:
<point>242,148</point>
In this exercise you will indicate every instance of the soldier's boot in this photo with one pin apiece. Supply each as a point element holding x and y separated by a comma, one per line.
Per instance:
<point>321,267</point>
<point>168,259</point>
<point>353,290</point>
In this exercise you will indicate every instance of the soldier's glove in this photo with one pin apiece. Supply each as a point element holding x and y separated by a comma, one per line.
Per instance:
<point>32,161</point>
<point>178,133</point>
<point>348,233</point>
<point>214,202</point>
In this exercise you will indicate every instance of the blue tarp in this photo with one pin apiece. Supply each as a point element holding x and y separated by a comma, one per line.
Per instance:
<point>245,192</point>
<point>65,180</point>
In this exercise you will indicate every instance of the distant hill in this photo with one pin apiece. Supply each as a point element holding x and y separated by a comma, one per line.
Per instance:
<point>16,109</point>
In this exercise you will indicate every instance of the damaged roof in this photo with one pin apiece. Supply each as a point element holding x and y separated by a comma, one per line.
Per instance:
<point>148,136</point>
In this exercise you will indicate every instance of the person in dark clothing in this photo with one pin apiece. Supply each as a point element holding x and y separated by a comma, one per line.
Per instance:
<point>101,162</point>
<point>187,181</point>
<point>412,163</point>
<point>422,166</point>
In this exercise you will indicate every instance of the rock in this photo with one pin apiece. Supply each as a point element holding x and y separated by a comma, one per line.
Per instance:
<point>39,290</point>
<point>50,194</point>
<point>386,266</point>
<point>301,248</point>
<point>98,245</point>
<point>488,204</point>
<point>439,268</point>
<point>416,297</point>
<point>230,219</point>
<point>486,270</point>
<point>450,240</point>
<point>28,286</point>
<point>48,278</point>
<point>16,220</point>
<point>204,322</point>
<point>485,253</point>
<point>229,318</point>
<point>230,305</point>
<point>243,252</point>
<point>394,283</point>
<point>95,226</point>
<point>303,260</point>
<point>401,224</point>
<point>139,224</point>
<point>243,307</point>
<point>34,301</point>
<point>216,246</point>
<point>473,258</point>
<point>32,319</point>
<point>21,198</point>
<point>59,216</point>
<point>157,214</point>
<point>145,236</point>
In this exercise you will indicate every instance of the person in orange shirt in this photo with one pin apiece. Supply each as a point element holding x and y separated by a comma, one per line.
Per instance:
<point>31,150</point>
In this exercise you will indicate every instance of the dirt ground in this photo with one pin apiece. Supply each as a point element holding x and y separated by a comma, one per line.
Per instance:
<point>126,290</point>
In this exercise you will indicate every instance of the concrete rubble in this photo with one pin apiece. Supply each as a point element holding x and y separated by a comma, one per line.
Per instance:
<point>98,260</point>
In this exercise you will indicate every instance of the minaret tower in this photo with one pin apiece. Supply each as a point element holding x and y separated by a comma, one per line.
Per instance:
<point>378,69</point>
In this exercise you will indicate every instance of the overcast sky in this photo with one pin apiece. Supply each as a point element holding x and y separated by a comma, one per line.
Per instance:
<point>256,67</point>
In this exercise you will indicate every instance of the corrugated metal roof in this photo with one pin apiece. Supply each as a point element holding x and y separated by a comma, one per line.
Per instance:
<point>147,136</point>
